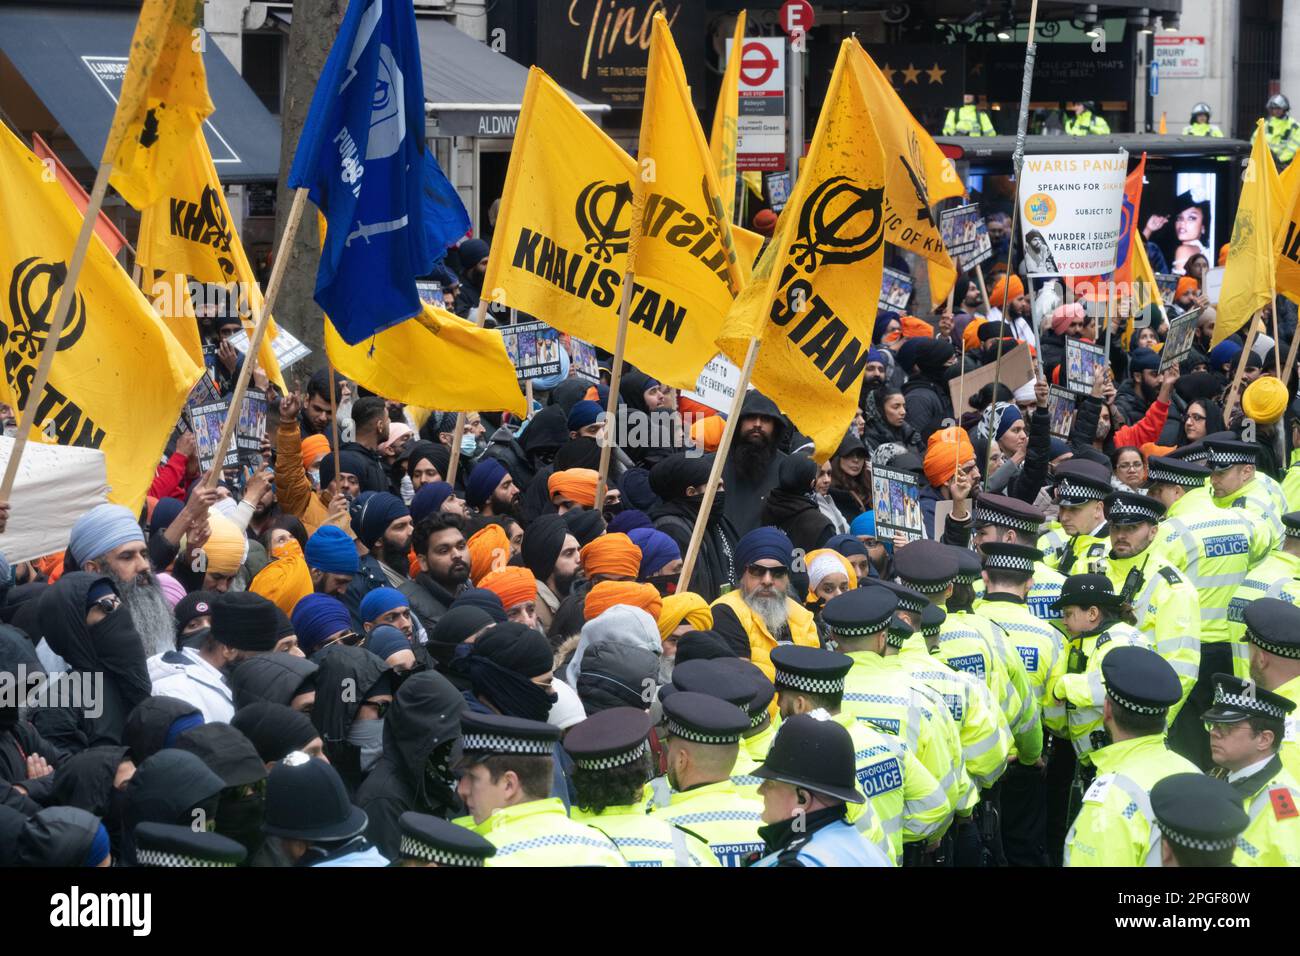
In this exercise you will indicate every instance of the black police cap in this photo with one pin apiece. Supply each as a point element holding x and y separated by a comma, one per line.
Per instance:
<point>1273,625</point>
<point>703,719</point>
<point>164,844</point>
<point>813,752</point>
<point>1004,511</point>
<point>1140,680</point>
<point>909,599</point>
<point>1224,453</point>
<point>609,738</point>
<point>710,677</point>
<point>1002,556</point>
<point>932,619</point>
<point>435,840</point>
<point>1236,700</point>
<point>1129,507</point>
<point>761,689</point>
<point>968,564</point>
<point>1169,470</point>
<point>1198,812</point>
<point>1087,590</point>
<point>499,734</point>
<point>1291,524</point>
<point>860,612</point>
<point>812,670</point>
<point>926,565</point>
<point>1079,482</point>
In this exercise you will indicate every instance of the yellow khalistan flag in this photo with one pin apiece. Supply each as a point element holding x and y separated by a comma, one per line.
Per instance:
<point>1249,275</point>
<point>1288,233</point>
<point>119,378</point>
<point>560,250</point>
<point>722,137</point>
<point>812,302</point>
<point>189,232</point>
<point>163,103</point>
<point>401,363</point>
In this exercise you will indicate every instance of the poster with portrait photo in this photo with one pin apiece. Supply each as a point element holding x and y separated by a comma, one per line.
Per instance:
<point>1178,216</point>
<point>1062,406</point>
<point>1167,283</point>
<point>895,291</point>
<point>206,421</point>
<point>252,427</point>
<point>1178,342</point>
<point>897,497</point>
<point>1083,363</point>
<point>1046,295</point>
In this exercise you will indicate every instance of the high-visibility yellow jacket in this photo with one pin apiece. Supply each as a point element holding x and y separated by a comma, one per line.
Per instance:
<point>1039,645</point>
<point>1282,134</point>
<point>1115,826</point>
<point>1290,751</point>
<point>968,120</point>
<point>539,833</point>
<point>753,751</point>
<point>1291,483</point>
<point>1271,799</point>
<point>1078,683</point>
<point>1277,576</point>
<point>721,816</point>
<point>1212,547</point>
<point>1202,129</point>
<point>645,841</point>
<point>1086,123</point>
<point>1262,498</point>
<point>1045,588</point>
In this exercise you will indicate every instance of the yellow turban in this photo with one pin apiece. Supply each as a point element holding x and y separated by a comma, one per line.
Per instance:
<point>226,547</point>
<point>287,579</point>
<point>1264,400</point>
<point>684,606</point>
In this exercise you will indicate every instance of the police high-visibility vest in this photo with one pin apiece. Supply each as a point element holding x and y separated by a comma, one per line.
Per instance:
<point>985,738</point>
<point>1167,610</point>
<point>1271,798</point>
<point>539,833</point>
<point>1277,576</point>
<point>836,844</point>
<point>1078,683</point>
<point>1212,547</point>
<point>1052,541</point>
<point>753,751</point>
<point>968,120</point>
<point>1282,134</point>
<point>1291,483</point>
<point>1016,698</point>
<point>1082,554</point>
<point>1202,129</point>
<point>645,841</point>
<point>1039,646</point>
<point>894,702</point>
<point>1263,499</point>
<point>1086,123</point>
<point>721,816</point>
<point>1290,752</point>
<point>803,629</point>
<point>906,797</point>
<point>1115,825</point>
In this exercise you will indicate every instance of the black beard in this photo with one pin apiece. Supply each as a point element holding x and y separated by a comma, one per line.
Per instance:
<point>508,508</point>
<point>457,575</point>
<point>563,583</point>
<point>753,455</point>
<point>396,558</point>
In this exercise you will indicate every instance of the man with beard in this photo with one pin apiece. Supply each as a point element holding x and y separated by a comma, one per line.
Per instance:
<point>474,263</point>
<point>385,527</point>
<point>759,615</point>
<point>1143,386</point>
<point>314,419</point>
<point>491,489</point>
<point>926,389</point>
<point>440,551</point>
<point>331,560</point>
<point>551,552</point>
<point>680,482</point>
<point>243,624</point>
<point>752,466</point>
<point>107,540</point>
<point>370,424</point>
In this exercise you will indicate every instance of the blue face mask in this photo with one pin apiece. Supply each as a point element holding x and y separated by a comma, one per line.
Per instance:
<point>468,445</point>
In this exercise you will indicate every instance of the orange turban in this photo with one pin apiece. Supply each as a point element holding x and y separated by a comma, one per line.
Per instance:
<point>1223,254</point>
<point>997,296</point>
<point>914,328</point>
<point>286,580</point>
<point>576,484</point>
<point>606,594</point>
<point>489,548</point>
<point>948,448</point>
<point>1151,448</point>
<point>1186,284</point>
<point>970,336</point>
<point>708,432</point>
<point>592,395</point>
<point>612,554</point>
<point>314,448</point>
<point>513,585</point>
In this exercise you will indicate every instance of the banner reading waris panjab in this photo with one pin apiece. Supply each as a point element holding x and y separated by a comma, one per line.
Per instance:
<point>1070,209</point>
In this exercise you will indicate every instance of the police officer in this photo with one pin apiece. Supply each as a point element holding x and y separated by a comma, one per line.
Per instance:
<point>877,691</point>
<point>612,763</point>
<point>1008,578</point>
<point>1235,483</point>
<point>1246,728</point>
<point>968,120</point>
<point>1199,820</point>
<point>749,689</point>
<point>807,784</point>
<point>762,725</point>
<point>1291,480</point>
<point>1115,825</point>
<point>1277,576</point>
<point>432,841</point>
<point>1164,602</point>
<point>1081,488</point>
<point>1200,124</point>
<point>701,737</point>
<point>505,782</point>
<point>165,844</point>
<point>1281,132</point>
<point>1273,631</point>
<point>913,809</point>
<point>1012,521</point>
<point>1082,119</point>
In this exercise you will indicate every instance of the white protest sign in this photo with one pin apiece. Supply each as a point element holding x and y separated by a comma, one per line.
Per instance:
<point>716,386</point>
<point>56,485</point>
<point>1070,212</point>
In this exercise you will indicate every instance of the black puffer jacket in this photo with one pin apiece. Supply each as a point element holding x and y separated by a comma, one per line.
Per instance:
<point>414,773</point>
<point>790,507</point>
<point>278,677</point>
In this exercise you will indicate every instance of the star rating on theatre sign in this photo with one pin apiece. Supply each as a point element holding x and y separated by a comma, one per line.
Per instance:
<point>912,75</point>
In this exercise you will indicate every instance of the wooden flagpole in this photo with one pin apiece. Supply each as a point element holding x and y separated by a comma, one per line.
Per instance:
<point>1255,322</point>
<point>615,377</point>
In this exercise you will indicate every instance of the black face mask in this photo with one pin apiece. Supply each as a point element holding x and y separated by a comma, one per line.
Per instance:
<point>665,584</point>
<point>439,782</point>
<point>240,819</point>
<point>194,640</point>
<point>612,508</point>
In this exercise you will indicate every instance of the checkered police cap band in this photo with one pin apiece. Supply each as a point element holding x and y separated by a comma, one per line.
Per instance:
<point>1197,843</point>
<point>896,638</point>
<point>809,685</point>
<point>756,719</point>
<point>1134,705</point>
<point>1247,703</point>
<point>864,628</point>
<point>1290,530</point>
<point>174,859</point>
<point>984,514</point>
<point>925,587</point>
<point>1227,457</point>
<point>930,630</point>
<point>1130,512</point>
<point>609,761</point>
<point>1291,651</point>
<point>498,743</point>
<point>1197,456</point>
<point>1077,492</point>
<point>698,736</point>
<point>434,854</point>
<point>967,577</point>
<point>1008,562</point>
<point>1169,477</point>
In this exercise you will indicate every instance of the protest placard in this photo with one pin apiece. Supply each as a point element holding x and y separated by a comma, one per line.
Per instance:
<point>1178,343</point>
<point>897,500</point>
<point>286,347</point>
<point>1062,406</point>
<point>895,290</point>
<point>717,384</point>
<point>252,428</point>
<point>1083,363</point>
<point>56,485</point>
<point>1070,212</point>
<point>206,422</point>
<point>1017,370</point>
<point>966,235</point>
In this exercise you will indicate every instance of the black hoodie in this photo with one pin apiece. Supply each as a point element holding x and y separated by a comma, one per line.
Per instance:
<point>19,739</point>
<point>147,726</point>
<point>337,703</point>
<point>167,788</point>
<point>423,723</point>
<point>790,507</point>
<point>57,836</point>
<point>85,781</point>
<point>745,488</point>
<point>278,677</point>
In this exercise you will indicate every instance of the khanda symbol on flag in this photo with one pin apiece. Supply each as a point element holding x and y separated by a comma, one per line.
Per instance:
<point>836,204</point>
<point>599,208</point>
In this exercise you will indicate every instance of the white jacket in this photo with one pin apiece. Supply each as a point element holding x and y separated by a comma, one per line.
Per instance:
<point>185,675</point>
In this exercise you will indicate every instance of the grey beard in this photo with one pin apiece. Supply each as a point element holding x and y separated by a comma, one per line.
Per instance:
<point>665,670</point>
<point>150,613</point>
<point>772,611</point>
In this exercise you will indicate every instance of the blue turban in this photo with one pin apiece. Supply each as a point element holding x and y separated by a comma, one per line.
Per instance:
<point>1004,415</point>
<point>1059,447</point>
<point>386,640</point>
<point>628,520</point>
<point>877,356</point>
<point>1225,353</point>
<point>472,252</point>
<point>429,499</point>
<point>765,543</point>
<point>330,549</point>
<point>100,530</point>
<point>551,381</point>
<point>864,525</point>
<point>481,598</point>
<point>381,601</point>
<point>657,549</point>
<point>164,513</point>
<point>355,507</point>
<point>483,480</point>
<point>848,545</point>
<point>1143,360</point>
<point>584,413</point>
<point>99,847</point>
<point>379,512</point>
<point>635,485</point>
<point>181,724</point>
<point>317,616</point>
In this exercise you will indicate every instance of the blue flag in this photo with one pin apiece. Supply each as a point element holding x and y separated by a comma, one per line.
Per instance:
<point>362,156</point>
<point>446,220</point>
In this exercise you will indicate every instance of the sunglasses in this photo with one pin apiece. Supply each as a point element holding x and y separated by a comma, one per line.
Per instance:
<point>349,639</point>
<point>108,603</point>
<point>758,570</point>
